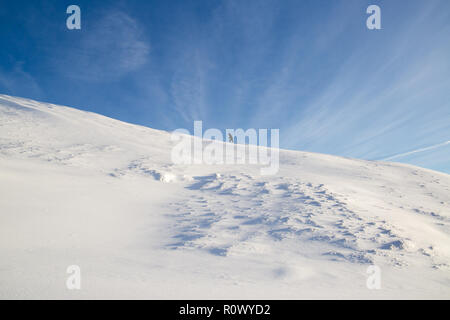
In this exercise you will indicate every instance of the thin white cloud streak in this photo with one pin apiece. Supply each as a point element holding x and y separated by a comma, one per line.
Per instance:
<point>188,94</point>
<point>188,85</point>
<point>19,82</point>
<point>402,155</point>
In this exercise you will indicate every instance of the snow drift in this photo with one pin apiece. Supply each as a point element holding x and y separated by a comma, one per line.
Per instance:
<point>77,188</point>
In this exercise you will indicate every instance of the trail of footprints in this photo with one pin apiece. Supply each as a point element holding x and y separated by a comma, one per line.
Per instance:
<point>228,211</point>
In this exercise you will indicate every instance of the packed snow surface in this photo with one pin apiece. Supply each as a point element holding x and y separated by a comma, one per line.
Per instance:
<point>78,188</point>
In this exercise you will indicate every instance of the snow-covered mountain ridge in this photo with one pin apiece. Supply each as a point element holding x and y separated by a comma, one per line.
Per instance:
<point>77,188</point>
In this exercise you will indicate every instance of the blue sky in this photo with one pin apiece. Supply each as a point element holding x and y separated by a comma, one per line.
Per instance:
<point>308,67</point>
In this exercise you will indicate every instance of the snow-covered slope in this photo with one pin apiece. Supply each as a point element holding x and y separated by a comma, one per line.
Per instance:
<point>77,188</point>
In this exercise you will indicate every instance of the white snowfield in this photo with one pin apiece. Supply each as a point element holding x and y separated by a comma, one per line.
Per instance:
<point>77,188</point>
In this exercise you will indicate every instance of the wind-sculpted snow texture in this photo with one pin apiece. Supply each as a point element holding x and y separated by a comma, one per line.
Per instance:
<point>77,188</point>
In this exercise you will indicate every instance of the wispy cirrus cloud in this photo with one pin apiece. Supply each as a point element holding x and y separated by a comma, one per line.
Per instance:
<point>105,49</point>
<point>18,81</point>
<point>188,86</point>
<point>310,68</point>
<point>326,81</point>
<point>387,97</point>
<point>232,35</point>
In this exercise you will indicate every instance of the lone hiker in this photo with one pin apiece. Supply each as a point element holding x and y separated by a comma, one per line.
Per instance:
<point>230,138</point>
